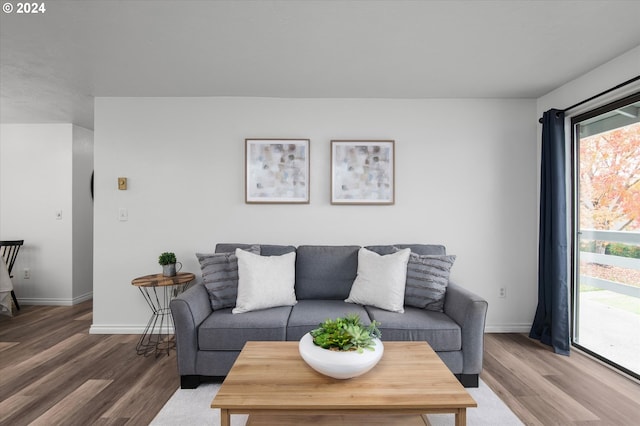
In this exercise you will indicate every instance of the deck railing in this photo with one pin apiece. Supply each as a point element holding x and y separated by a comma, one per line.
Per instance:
<point>611,260</point>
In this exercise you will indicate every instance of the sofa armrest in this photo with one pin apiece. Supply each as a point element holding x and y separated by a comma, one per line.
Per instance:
<point>469,311</point>
<point>189,309</point>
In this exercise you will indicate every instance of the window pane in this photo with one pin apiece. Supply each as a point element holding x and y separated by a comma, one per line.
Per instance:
<point>607,287</point>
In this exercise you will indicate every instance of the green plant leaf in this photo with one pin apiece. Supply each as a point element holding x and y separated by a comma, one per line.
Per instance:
<point>167,258</point>
<point>346,334</point>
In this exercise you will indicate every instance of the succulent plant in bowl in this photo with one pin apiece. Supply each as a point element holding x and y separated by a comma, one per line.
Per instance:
<point>346,334</point>
<point>342,348</point>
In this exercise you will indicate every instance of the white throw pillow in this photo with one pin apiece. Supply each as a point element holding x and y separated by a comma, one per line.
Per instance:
<point>265,281</point>
<point>381,280</point>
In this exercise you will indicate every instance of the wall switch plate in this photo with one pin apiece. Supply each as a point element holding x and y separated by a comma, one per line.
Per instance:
<point>123,214</point>
<point>122,183</point>
<point>27,274</point>
<point>58,214</point>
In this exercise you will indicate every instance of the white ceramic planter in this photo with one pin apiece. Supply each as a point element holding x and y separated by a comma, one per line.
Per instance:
<point>339,365</point>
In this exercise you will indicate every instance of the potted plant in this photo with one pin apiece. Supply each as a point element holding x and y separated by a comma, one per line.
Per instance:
<point>168,262</point>
<point>342,348</point>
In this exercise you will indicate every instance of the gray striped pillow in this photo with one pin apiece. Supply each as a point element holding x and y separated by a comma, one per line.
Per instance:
<point>220,277</point>
<point>427,280</point>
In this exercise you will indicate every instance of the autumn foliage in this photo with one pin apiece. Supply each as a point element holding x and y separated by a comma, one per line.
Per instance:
<point>610,180</point>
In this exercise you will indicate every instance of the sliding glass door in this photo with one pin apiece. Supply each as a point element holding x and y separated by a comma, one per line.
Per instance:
<point>606,250</point>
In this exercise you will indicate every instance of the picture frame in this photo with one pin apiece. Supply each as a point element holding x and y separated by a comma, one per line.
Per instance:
<point>277,171</point>
<point>363,172</point>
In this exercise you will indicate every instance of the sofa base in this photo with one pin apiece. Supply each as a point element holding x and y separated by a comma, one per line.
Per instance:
<point>193,381</point>
<point>189,381</point>
<point>468,380</point>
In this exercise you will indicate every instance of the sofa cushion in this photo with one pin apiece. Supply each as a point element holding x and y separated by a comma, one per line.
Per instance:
<point>308,314</point>
<point>220,277</point>
<point>381,280</point>
<point>265,249</point>
<point>415,324</point>
<point>325,272</point>
<point>223,331</point>
<point>433,249</point>
<point>265,281</point>
<point>427,280</point>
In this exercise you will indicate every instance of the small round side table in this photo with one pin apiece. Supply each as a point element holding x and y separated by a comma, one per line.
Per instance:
<point>155,338</point>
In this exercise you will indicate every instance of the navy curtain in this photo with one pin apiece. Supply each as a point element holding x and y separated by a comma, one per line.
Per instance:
<point>551,323</point>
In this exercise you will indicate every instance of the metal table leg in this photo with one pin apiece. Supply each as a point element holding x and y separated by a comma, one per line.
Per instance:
<point>156,338</point>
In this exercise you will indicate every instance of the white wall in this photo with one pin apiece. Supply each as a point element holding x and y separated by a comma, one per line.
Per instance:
<point>37,166</point>
<point>82,214</point>
<point>465,177</point>
<point>604,77</point>
<point>36,181</point>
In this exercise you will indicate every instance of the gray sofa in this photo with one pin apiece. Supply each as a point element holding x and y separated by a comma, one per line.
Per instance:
<point>208,342</point>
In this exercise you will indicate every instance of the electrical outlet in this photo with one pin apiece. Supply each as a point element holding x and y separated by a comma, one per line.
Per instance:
<point>502,292</point>
<point>27,274</point>
<point>123,214</point>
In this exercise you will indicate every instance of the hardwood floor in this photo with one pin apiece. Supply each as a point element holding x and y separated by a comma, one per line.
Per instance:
<point>543,388</point>
<point>52,371</point>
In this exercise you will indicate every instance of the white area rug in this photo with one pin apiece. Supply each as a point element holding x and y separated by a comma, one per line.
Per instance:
<point>192,407</point>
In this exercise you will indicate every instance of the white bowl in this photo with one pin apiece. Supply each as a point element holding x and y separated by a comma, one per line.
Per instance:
<point>336,364</point>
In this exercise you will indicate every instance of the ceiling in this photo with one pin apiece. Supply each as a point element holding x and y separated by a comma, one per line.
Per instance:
<point>54,63</point>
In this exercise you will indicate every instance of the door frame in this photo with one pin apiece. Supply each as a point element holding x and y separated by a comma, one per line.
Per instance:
<point>575,220</point>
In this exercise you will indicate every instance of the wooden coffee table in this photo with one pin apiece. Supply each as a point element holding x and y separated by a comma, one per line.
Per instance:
<point>270,382</point>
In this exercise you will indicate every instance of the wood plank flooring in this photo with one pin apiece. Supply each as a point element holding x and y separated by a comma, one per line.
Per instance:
<point>543,388</point>
<point>53,372</point>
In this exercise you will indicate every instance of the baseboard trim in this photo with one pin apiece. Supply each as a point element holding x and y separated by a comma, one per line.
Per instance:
<point>83,298</point>
<point>124,329</point>
<point>508,328</point>
<point>45,301</point>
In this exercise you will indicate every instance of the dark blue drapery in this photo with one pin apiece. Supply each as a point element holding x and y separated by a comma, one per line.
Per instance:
<point>551,322</point>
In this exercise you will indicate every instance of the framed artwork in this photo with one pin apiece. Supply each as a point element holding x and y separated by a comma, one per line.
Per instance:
<point>362,172</point>
<point>276,171</point>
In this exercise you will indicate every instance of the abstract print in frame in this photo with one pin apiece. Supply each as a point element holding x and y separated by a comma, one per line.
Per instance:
<point>276,171</point>
<point>362,172</point>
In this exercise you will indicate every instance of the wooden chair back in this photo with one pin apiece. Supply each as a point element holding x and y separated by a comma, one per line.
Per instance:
<point>9,251</point>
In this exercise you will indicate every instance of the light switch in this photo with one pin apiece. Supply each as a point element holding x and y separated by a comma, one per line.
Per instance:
<point>58,214</point>
<point>122,183</point>
<point>123,215</point>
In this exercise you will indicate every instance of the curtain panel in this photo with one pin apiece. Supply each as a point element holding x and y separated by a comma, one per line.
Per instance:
<point>551,322</point>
